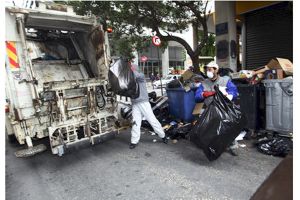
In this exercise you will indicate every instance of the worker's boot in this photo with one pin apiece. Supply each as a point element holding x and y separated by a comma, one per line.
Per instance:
<point>232,151</point>
<point>132,146</point>
<point>232,148</point>
<point>165,140</point>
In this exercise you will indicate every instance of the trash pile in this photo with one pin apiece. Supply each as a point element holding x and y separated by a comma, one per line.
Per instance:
<point>176,130</point>
<point>266,96</point>
<point>188,80</point>
<point>277,68</point>
<point>277,145</point>
<point>258,94</point>
<point>220,123</point>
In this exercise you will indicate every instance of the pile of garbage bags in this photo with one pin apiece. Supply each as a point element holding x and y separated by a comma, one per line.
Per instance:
<point>276,146</point>
<point>122,80</point>
<point>218,126</point>
<point>178,130</point>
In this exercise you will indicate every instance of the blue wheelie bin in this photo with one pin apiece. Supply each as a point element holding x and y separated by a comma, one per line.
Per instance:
<point>181,103</point>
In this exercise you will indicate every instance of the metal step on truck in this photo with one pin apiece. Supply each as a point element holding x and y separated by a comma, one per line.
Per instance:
<point>56,79</point>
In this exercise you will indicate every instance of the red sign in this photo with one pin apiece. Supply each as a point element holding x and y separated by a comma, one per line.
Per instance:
<point>144,58</point>
<point>156,41</point>
<point>109,30</point>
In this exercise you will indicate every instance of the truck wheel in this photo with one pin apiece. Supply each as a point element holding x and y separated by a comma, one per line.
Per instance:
<point>11,139</point>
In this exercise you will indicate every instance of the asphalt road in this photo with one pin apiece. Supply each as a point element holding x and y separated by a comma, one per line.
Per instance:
<point>151,171</point>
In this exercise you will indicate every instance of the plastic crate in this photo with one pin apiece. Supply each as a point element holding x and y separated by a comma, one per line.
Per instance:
<point>181,103</point>
<point>279,105</point>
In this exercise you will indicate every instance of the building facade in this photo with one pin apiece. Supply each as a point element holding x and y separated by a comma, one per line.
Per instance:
<point>174,58</point>
<point>250,33</point>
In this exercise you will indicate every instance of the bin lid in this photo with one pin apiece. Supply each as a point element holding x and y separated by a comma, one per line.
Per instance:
<point>178,90</point>
<point>285,80</point>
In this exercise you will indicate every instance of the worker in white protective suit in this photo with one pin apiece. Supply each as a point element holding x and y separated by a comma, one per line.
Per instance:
<point>141,108</point>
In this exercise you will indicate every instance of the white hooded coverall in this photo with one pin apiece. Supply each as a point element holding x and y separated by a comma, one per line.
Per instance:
<point>142,108</point>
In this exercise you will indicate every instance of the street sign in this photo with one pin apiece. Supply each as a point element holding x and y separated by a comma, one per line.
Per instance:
<point>144,58</point>
<point>156,41</point>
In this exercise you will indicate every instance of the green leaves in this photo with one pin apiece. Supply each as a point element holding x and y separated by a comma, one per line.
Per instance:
<point>133,21</point>
<point>209,48</point>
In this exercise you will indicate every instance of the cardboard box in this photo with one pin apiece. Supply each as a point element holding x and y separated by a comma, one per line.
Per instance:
<point>187,75</point>
<point>280,74</point>
<point>197,108</point>
<point>260,70</point>
<point>281,63</point>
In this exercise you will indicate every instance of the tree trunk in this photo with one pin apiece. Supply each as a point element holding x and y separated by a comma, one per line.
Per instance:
<point>196,66</point>
<point>195,36</point>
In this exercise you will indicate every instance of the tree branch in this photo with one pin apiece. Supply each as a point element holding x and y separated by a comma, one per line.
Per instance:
<point>203,40</point>
<point>201,19</point>
<point>206,16</point>
<point>192,7</point>
<point>174,38</point>
<point>155,27</point>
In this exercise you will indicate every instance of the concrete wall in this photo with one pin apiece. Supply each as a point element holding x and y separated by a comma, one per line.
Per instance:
<point>226,36</point>
<point>165,62</point>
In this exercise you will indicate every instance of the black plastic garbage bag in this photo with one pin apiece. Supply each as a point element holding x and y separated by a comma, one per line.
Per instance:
<point>225,71</point>
<point>278,146</point>
<point>218,126</point>
<point>122,79</point>
<point>152,96</point>
<point>174,84</point>
<point>175,132</point>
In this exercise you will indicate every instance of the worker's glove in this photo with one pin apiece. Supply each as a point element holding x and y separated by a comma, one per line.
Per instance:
<point>206,94</point>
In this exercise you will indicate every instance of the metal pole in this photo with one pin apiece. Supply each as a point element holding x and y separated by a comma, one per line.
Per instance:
<point>159,74</point>
<point>147,68</point>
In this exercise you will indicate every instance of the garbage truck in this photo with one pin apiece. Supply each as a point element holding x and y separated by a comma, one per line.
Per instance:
<point>56,79</point>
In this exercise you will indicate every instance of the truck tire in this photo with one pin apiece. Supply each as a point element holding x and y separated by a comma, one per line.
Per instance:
<point>11,138</point>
